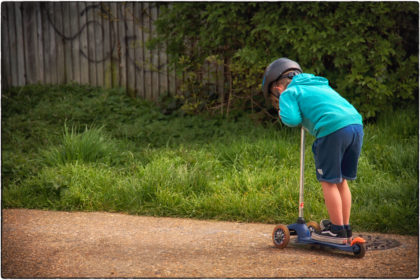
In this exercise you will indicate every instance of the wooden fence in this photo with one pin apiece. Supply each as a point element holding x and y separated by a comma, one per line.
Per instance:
<point>96,43</point>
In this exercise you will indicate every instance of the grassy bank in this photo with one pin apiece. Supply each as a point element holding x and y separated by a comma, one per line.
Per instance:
<point>82,148</point>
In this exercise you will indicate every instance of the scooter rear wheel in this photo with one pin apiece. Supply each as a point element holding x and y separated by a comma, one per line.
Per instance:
<point>360,250</point>
<point>313,226</point>
<point>281,236</point>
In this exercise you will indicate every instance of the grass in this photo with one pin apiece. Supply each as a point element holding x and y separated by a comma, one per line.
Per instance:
<point>82,148</point>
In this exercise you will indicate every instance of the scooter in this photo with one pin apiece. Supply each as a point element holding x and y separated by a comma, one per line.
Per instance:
<point>281,233</point>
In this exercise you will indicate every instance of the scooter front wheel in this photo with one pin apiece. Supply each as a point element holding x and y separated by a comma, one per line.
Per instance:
<point>281,236</point>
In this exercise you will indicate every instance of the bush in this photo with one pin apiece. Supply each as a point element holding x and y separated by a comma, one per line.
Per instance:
<point>368,51</point>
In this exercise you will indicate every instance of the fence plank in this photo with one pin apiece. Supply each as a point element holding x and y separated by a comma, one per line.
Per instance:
<point>99,44</point>
<point>163,67</point>
<point>138,49</point>
<point>123,45</point>
<point>30,49</point>
<point>114,45</point>
<point>91,42</point>
<point>130,40</point>
<point>107,43</point>
<point>74,29</point>
<point>67,43</point>
<point>155,58</point>
<point>148,55</point>
<point>59,41</point>
<point>13,49</point>
<point>105,19</point>
<point>117,50</point>
<point>45,41</point>
<point>40,43</point>
<point>49,43</point>
<point>84,51</point>
<point>20,46</point>
<point>5,48</point>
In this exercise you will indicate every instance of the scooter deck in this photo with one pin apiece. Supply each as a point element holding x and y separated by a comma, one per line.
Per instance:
<point>304,237</point>
<point>343,247</point>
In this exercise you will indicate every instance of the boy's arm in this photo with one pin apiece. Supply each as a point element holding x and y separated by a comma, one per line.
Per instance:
<point>289,109</point>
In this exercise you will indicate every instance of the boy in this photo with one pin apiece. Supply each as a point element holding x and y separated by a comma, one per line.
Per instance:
<point>309,100</point>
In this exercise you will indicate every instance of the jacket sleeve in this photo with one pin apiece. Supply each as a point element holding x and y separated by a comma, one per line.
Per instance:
<point>289,109</point>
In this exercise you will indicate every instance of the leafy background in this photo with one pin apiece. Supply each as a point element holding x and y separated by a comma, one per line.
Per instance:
<point>367,50</point>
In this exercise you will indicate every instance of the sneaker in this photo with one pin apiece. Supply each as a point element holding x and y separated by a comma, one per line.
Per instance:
<point>327,235</point>
<point>326,225</point>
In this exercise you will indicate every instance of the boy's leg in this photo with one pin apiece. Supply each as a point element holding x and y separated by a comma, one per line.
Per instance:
<point>345,194</point>
<point>336,158</point>
<point>336,233</point>
<point>338,201</point>
<point>333,202</point>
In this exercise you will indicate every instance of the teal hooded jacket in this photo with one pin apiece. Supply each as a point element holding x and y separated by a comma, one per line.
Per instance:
<point>310,101</point>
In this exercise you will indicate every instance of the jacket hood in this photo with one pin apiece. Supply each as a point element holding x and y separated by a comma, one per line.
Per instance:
<point>308,80</point>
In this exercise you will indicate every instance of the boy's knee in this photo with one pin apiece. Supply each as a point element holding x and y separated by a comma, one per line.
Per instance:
<point>328,185</point>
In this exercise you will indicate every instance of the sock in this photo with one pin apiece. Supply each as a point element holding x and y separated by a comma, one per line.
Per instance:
<point>348,231</point>
<point>336,228</point>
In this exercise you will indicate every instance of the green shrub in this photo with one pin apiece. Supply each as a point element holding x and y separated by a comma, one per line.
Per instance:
<point>368,51</point>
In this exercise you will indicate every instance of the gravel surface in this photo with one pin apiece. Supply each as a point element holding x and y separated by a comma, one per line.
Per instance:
<point>47,244</point>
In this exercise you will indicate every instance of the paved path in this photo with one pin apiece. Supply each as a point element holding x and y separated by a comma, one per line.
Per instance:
<point>46,244</point>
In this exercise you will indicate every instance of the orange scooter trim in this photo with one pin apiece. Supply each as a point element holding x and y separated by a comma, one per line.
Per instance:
<point>357,240</point>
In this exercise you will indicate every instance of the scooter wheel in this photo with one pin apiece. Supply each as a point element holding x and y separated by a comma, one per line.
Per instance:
<point>359,250</point>
<point>313,226</point>
<point>281,236</point>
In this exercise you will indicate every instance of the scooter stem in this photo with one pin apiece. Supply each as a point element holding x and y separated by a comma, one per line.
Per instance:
<point>302,167</point>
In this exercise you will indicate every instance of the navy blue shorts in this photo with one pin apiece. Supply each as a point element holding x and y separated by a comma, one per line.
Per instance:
<point>337,154</point>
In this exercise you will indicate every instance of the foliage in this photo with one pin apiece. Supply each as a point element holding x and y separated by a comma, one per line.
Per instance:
<point>368,51</point>
<point>89,149</point>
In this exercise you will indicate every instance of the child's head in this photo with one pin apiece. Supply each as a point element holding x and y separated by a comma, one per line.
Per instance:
<point>279,74</point>
<point>283,81</point>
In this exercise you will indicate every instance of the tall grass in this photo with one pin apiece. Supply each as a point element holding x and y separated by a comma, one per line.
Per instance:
<point>89,146</point>
<point>99,150</point>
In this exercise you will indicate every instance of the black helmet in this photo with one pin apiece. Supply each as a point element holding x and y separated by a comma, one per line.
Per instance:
<point>275,70</point>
